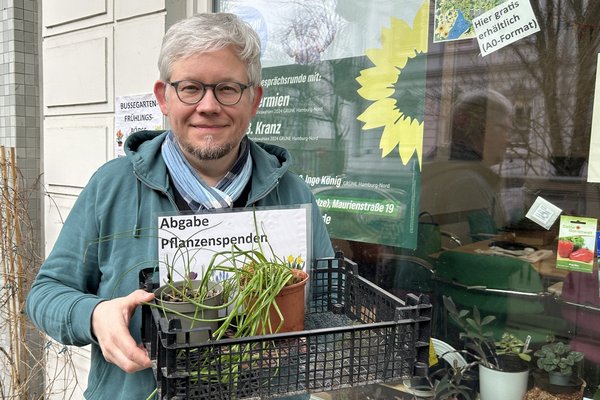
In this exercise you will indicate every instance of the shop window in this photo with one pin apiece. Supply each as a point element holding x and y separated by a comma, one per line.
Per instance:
<point>548,81</point>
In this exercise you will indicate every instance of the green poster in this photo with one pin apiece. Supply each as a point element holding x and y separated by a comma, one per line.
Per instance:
<point>344,91</point>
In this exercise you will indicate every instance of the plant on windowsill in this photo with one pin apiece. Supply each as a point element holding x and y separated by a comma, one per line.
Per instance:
<point>558,360</point>
<point>479,342</point>
<point>505,359</point>
<point>453,384</point>
<point>511,346</point>
<point>558,370</point>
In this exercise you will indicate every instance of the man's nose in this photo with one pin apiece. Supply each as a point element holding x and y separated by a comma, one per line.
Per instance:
<point>209,102</point>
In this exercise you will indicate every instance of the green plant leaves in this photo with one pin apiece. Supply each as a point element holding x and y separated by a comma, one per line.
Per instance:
<point>557,356</point>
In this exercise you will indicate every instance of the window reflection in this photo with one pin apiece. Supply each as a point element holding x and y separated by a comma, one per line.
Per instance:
<point>548,80</point>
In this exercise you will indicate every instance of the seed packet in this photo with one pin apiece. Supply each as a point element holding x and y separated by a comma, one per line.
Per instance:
<point>576,243</point>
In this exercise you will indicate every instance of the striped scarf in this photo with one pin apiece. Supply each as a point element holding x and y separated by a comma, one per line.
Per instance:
<point>192,187</point>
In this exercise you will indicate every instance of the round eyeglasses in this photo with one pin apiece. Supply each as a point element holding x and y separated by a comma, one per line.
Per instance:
<point>226,93</point>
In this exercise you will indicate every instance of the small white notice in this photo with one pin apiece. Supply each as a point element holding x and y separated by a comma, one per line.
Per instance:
<point>135,113</point>
<point>543,212</point>
<point>187,243</point>
<point>504,24</point>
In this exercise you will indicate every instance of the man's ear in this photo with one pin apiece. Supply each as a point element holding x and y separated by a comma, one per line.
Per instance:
<point>160,92</point>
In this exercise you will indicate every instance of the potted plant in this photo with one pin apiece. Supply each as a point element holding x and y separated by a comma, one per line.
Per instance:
<point>558,360</point>
<point>253,290</point>
<point>268,292</point>
<point>194,303</point>
<point>256,294</point>
<point>455,383</point>
<point>120,138</point>
<point>263,278</point>
<point>557,371</point>
<point>500,377</point>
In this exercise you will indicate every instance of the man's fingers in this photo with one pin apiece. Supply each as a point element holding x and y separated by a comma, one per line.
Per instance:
<point>136,298</point>
<point>132,301</point>
<point>142,296</point>
<point>110,322</point>
<point>128,355</point>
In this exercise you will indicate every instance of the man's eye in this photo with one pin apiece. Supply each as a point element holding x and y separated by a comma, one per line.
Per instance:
<point>190,88</point>
<point>229,89</point>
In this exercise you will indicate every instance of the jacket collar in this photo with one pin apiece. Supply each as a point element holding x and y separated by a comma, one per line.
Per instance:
<point>143,149</point>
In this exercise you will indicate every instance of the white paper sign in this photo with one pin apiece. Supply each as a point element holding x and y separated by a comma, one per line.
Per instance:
<point>504,24</point>
<point>543,212</point>
<point>195,238</point>
<point>135,113</point>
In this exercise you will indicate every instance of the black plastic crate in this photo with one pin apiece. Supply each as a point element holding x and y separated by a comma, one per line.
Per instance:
<point>355,334</point>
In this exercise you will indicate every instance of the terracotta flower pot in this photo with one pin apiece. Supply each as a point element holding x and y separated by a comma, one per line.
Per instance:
<point>290,301</point>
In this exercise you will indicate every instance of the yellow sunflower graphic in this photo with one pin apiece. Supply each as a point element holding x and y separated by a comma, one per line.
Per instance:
<point>396,85</point>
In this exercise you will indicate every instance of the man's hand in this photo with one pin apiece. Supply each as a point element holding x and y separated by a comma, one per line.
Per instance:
<point>110,324</point>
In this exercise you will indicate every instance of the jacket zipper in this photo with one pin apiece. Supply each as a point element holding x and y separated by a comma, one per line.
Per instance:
<point>157,188</point>
<point>263,194</point>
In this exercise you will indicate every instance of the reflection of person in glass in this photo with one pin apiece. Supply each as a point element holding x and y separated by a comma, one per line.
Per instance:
<point>480,122</point>
<point>463,190</point>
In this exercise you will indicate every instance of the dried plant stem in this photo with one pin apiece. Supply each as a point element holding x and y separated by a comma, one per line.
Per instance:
<point>22,366</point>
<point>12,309</point>
<point>20,316</point>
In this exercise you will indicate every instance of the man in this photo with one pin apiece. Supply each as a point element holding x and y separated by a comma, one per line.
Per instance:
<point>209,88</point>
<point>463,192</point>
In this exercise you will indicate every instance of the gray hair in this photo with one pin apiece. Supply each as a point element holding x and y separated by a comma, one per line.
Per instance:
<point>208,32</point>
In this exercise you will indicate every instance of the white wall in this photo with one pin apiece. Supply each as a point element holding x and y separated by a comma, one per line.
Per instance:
<point>92,51</point>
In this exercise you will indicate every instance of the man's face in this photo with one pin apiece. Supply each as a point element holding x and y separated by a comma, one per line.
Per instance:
<point>208,130</point>
<point>497,132</point>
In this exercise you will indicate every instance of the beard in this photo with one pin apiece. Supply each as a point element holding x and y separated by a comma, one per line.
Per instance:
<point>208,150</point>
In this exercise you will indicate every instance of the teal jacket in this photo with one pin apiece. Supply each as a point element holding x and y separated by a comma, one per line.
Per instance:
<point>105,242</point>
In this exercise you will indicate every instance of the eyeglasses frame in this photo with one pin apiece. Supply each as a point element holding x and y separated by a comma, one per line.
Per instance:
<point>206,86</point>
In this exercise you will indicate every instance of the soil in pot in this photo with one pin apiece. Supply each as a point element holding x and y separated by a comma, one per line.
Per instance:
<point>545,390</point>
<point>512,363</point>
<point>537,393</point>
<point>201,322</point>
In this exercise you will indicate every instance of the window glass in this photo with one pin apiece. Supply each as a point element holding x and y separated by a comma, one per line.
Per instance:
<point>500,131</point>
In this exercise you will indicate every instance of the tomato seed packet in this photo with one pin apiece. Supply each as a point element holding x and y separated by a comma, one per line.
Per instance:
<point>576,243</point>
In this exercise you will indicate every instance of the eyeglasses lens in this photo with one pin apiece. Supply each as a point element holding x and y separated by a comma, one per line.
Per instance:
<point>227,93</point>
